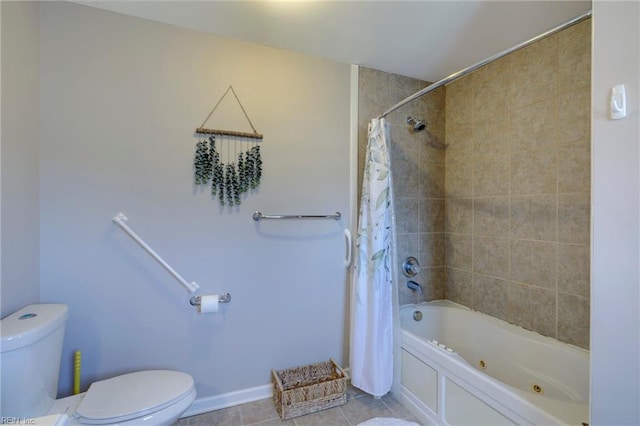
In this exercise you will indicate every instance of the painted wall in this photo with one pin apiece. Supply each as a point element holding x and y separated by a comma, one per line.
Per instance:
<point>19,275</point>
<point>517,187</point>
<point>615,295</point>
<point>120,99</point>
<point>615,348</point>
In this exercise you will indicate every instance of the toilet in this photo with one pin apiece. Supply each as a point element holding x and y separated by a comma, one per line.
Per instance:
<point>31,353</point>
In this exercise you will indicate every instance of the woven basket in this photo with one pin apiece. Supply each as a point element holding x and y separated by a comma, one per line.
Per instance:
<point>307,389</point>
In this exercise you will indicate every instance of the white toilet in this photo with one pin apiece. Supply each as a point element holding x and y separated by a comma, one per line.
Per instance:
<point>31,353</point>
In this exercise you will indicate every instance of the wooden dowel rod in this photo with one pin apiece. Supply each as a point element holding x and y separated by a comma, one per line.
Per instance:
<point>203,130</point>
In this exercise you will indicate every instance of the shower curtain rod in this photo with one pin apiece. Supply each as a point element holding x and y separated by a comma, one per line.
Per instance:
<point>465,71</point>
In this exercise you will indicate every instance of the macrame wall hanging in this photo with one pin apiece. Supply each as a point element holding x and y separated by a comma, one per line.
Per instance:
<point>228,160</point>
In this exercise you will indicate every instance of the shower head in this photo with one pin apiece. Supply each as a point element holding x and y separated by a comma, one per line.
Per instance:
<point>416,124</point>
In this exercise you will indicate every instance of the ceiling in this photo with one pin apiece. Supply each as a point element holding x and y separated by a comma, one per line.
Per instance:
<point>428,40</point>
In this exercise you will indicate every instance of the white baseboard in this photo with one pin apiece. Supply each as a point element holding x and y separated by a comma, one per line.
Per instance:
<point>217,402</point>
<point>231,399</point>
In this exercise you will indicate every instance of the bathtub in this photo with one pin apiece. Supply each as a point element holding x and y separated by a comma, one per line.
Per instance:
<point>463,367</point>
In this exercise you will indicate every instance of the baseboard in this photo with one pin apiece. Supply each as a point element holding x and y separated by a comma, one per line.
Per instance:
<point>217,402</point>
<point>231,399</point>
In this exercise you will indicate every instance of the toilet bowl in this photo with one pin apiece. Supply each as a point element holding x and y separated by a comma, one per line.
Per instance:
<point>31,352</point>
<point>154,397</point>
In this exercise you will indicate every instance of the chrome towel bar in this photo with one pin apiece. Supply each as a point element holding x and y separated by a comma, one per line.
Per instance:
<point>258,216</point>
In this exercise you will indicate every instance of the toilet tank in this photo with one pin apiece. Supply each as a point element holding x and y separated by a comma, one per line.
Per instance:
<point>31,351</point>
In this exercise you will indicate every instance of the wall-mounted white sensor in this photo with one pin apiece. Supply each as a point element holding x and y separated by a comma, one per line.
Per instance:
<point>618,107</point>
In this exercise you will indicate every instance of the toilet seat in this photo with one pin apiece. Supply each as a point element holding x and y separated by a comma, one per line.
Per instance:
<point>132,395</point>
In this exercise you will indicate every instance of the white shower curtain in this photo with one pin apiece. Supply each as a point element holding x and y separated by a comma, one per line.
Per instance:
<point>371,350</point>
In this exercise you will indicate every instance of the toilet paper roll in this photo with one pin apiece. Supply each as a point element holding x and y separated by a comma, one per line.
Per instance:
<point>209,303</point>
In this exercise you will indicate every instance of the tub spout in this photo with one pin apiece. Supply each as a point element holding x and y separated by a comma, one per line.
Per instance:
<point>414,286</point>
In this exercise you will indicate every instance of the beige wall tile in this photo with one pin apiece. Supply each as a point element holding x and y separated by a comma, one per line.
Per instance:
<point>574,115</point>
<point>432,151</point>
<point>432,211</point>
<point>432,248</point>
<point>491,256</point>
<point>459,286</point>
<point>533,217</point>
<point>433,283</point>
<point>459,215</point>
<point>574,57</point>
<point>435,104</point>
<point>459,103</point>
<point>490,295</point>
<point>418,161</point>
<point>401,86</point>
<point>491,216</point>
<point>458,180</point>
<point>408,245</point>
<point>535,72</point>
<point>573,319</point>
<point>574,167</point>
<point>405,154</point>
<point>404,294</point>
<point>458,249</point>
<point>533,308</point>
<point>492,81</point>
<point>373,89</point>
<point>433,182</point>
<point>573,269</point>
<point>459,143</point>
<point>510,194</point>
<point>491,136</point>
<point>534,126</point>
<point>533,262</point>
<point>534,171</point>
<point>491,175</point>
<point>530,155</point>
<point>407,215</point>
<point>574,218</point>
<point>406,184</point>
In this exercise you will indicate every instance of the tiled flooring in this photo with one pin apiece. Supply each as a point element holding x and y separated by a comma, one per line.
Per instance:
<point>359,407</point>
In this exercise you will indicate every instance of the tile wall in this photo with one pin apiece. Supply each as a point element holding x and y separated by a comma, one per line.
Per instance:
<point>517,186</point>
<point>501,222</point>
<point>418,173</point>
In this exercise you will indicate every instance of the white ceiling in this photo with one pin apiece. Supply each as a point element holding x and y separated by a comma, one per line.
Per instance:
<point>422,39</point>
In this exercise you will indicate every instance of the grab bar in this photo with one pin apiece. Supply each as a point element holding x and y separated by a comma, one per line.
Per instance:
<point>347,236</point>
<point>258,216</point>
<point>120,220</point>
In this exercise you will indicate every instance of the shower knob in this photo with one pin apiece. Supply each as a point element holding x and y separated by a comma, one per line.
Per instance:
<point>410,267</point>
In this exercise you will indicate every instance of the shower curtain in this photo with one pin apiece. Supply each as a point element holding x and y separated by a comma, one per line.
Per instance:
<point>371,354</point>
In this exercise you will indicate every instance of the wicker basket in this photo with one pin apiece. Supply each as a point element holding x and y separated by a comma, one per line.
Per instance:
<point>307,389</point>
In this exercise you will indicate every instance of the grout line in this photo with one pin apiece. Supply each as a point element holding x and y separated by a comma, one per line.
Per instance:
<point>344,415</point>
<point>508,302</point>
<point>557,147</point>
<point>473,192</point>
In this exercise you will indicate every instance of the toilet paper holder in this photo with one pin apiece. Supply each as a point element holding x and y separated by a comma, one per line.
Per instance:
<point>223,298</point>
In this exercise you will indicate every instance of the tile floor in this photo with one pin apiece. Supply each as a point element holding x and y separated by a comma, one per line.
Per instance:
<point>359,407</point>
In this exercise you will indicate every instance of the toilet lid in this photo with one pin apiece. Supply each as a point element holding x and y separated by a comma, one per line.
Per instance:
<point>132,395</point>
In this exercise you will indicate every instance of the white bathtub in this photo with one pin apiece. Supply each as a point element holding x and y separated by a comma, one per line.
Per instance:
<point>485,371</point>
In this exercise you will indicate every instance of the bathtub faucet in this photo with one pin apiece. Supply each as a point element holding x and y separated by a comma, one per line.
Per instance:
<point>414,286</point>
